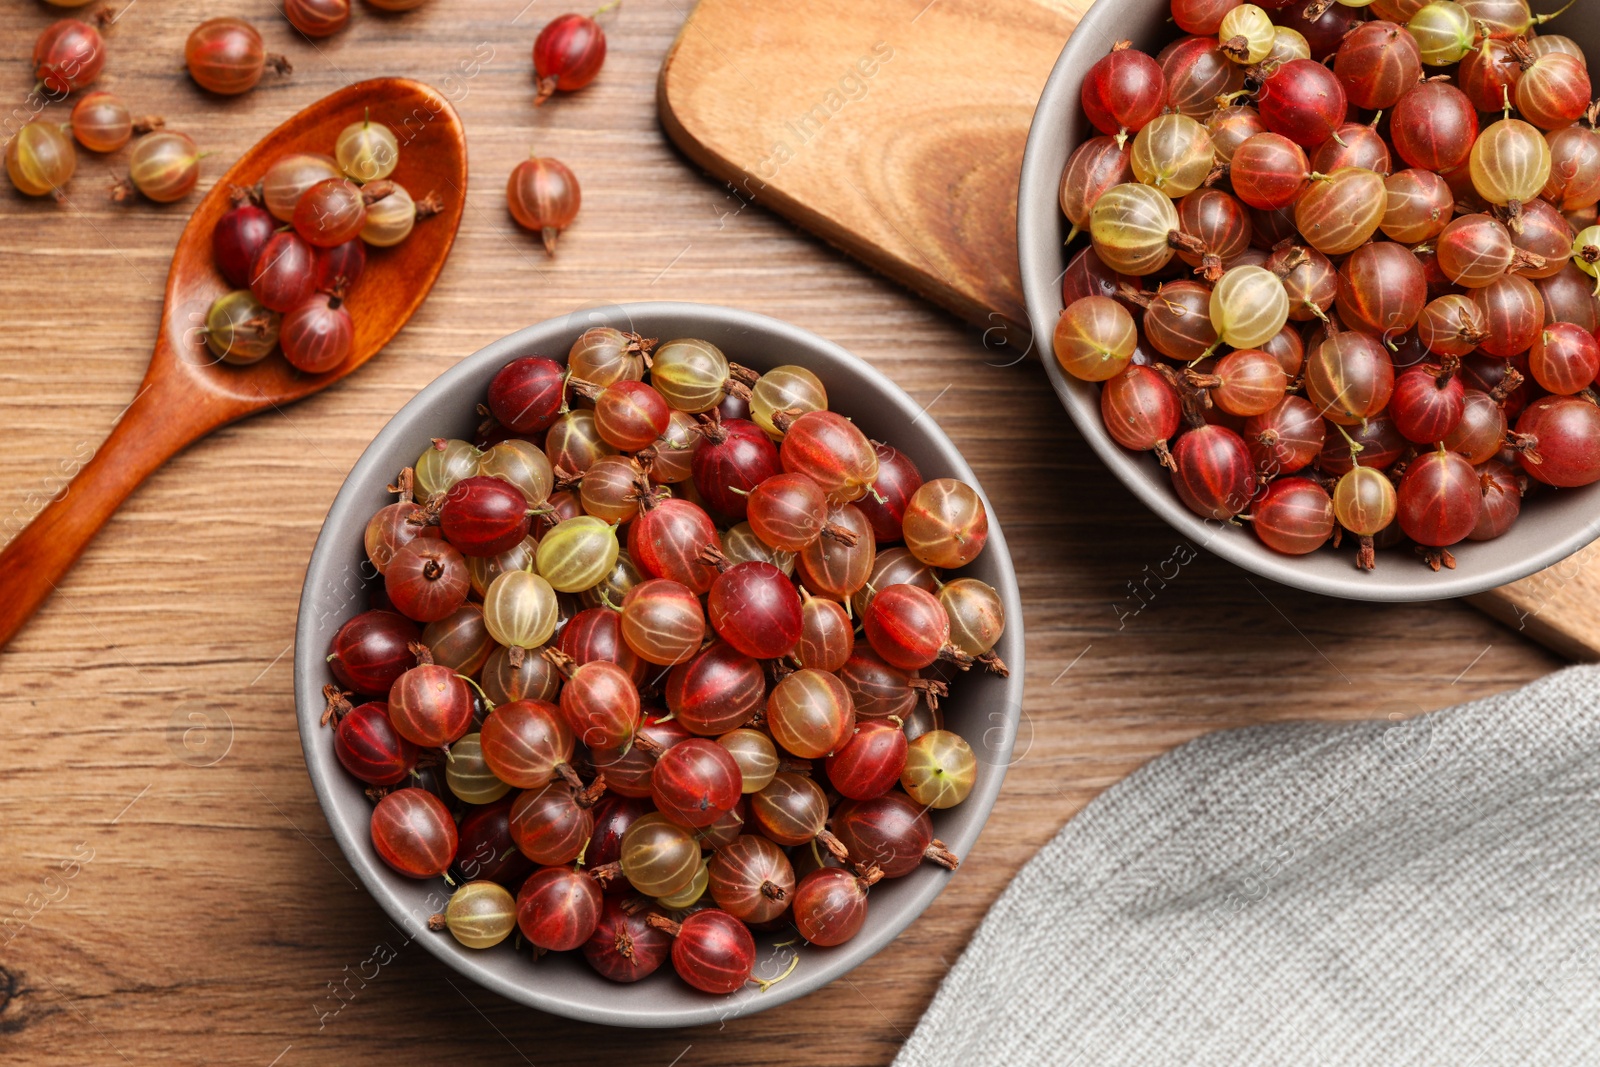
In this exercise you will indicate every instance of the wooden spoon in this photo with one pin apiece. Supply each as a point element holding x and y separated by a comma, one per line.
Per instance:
<point>186,392</point>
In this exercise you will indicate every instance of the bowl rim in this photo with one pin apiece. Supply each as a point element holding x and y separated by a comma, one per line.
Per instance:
<point>1041,266</point>
<point>790,344</point>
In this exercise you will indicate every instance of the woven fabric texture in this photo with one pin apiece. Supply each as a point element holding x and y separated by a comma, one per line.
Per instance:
<point>1387,893</point>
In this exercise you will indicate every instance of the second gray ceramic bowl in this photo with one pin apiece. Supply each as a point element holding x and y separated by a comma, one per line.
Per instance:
<point>983,707</point>
<point>1551,527</point>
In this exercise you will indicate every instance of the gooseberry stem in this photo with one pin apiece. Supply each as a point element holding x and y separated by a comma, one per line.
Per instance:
<point>482,695</point>
<point>1356,448</point>
<point>1540,20</point>
<point>767,983</point>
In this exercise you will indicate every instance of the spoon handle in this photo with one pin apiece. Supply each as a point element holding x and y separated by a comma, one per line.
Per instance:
<point>153,428</point>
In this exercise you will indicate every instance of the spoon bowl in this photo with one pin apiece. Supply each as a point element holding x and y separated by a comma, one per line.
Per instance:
<point>187,392</point>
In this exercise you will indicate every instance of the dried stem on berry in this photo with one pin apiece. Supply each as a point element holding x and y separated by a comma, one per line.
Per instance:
<point>932,689</point>
<point>833,845</point>
<point>661,922</point>
<point>870,875</point>
<point>405,485</point>
<point>606,872</point>
<point>1522,260</point>
<point>711,427</point>
<point>566,480</point>
<point>587,798</point>
<point>429,206</point>
<point>993,662</point>
<point>1186,242</point>
<point>584,388</point>
<point>560,661</point>
<point>940,853</point>
<point>1445,371</point>
<point>1435,557</point>
<point>1525,445</point>
<point>712,556</point>
<point>840,534</point>
<point>338,704</point>
<point>1366,555</point>
<point>952,654</point>
<point>1508,385</point>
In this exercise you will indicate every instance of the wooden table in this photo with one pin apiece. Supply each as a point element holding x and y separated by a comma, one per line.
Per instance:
<point>150,701</point>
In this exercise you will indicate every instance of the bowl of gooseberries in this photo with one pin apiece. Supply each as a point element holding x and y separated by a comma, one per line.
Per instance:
<point>658,664</point>
<point>1316,279</point>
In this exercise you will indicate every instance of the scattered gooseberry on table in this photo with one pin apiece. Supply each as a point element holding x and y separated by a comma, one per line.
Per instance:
<point>227,56</point>
<point>543,197</point>
<point>317,18</point>
<point>101,122</point>
<point>164,166</point>
<point>40,160</point>
<point>69,54</point>
<point>567,54</point>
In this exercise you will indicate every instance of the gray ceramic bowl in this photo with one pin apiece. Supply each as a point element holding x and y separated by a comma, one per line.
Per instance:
<point>983,707</point>
<point>1550,529</point>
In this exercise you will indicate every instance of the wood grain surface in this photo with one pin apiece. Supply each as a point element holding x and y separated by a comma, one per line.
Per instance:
<point>170,890</point>
<point>909,161</point>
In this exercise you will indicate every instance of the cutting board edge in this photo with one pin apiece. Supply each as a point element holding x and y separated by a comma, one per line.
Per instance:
<point>1501,605</point>
<point>896,268</point>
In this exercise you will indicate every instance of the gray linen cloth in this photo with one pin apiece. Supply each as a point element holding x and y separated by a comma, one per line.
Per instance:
<point>1395,893</point>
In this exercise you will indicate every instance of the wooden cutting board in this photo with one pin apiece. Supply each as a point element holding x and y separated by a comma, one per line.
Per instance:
<point>894,130</point>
